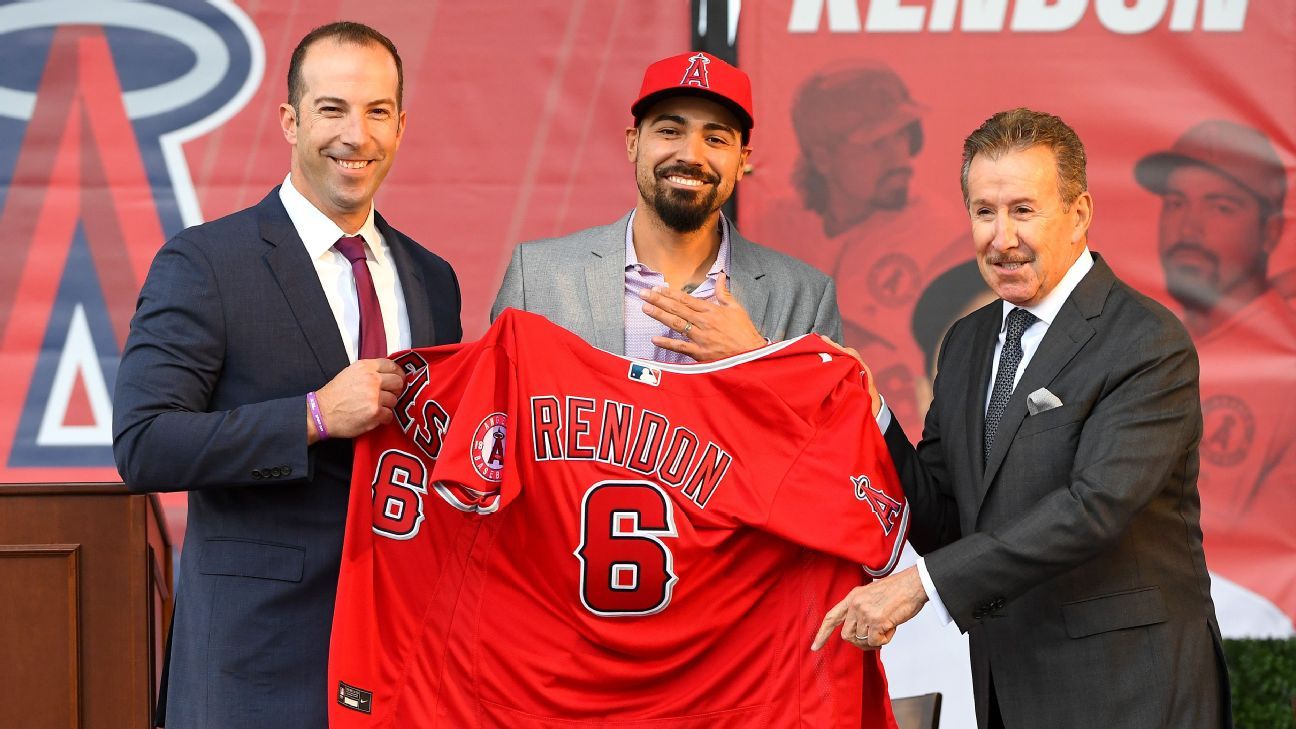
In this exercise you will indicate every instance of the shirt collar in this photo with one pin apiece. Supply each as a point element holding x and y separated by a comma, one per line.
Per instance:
<point>721,264</point>
<point>1048,307</point>
<point>317,231</point>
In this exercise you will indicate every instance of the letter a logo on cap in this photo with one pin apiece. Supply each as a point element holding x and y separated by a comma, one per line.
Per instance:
<point>696,75</point>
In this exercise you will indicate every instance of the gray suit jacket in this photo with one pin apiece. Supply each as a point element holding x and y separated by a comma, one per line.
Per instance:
<point>231,331</point>
<point>1073,558</point>
<point>578,282</point>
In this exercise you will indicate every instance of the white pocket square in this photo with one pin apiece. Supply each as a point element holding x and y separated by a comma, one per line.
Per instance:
<point>1041,400</point>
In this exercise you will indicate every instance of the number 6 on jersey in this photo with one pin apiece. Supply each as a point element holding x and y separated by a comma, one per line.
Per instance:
<point>625,566</point>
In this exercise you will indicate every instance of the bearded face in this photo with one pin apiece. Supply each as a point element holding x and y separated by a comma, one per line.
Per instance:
<point>688,155</point>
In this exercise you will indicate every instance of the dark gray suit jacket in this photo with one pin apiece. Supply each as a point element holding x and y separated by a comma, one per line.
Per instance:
<point>1073,560</point>
<point>578,282</point>
<point>231,331</point>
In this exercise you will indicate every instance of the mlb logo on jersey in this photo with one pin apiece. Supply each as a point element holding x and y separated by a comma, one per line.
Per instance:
<point>643,373</point>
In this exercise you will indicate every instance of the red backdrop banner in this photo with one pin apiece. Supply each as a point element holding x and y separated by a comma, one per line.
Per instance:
<point>121,123</point>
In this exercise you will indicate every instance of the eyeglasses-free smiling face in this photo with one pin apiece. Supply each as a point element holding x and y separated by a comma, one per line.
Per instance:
<point>347,129</point>
<point>688,155</point>
<point>1026,238</point>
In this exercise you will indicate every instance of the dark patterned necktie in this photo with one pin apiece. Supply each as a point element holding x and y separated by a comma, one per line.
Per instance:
<point>1019,320</point>
<point>373,337</point>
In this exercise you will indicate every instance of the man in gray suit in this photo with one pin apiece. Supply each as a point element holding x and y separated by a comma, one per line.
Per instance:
<point>657,283</point>
<point>1054,491</point>
<point>257,351</point>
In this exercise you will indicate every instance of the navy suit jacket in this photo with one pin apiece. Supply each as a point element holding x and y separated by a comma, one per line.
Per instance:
<point>231,330</point>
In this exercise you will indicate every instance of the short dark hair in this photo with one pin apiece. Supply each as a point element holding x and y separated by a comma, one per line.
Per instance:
<point>744,130</point>
<point>342,31</point>
<point>1019,129</point>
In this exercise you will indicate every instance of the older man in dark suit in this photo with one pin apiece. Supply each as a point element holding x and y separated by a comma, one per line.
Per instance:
<point>1055,488</point>
<point>257,351</point>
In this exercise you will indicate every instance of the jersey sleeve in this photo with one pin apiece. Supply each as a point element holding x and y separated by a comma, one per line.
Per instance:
<point>472,414</point>
<point>842,495</point>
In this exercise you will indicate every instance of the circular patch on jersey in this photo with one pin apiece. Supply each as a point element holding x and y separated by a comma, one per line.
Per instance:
<point>487,447</point>
<point>1228,430</point>
<point>894,280</point>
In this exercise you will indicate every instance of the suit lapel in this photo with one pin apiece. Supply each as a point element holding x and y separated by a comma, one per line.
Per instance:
<point>747,278</point>
<point>989,321</point>
<point>605,287</point>
<point>1066,336</point>
<point>295,272</point>
<point>413,285</point>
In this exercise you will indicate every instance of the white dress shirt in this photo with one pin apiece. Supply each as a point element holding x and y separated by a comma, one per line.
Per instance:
<point>1045,312</point>
<point>319,234</point>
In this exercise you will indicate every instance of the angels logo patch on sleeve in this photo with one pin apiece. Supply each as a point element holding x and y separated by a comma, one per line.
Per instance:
<point>886,508</point>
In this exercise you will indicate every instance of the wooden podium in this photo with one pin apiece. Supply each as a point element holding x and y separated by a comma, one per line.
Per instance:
<point>85,601</point>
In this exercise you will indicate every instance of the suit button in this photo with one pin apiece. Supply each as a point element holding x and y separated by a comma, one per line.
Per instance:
<point>287,470</point>
<point>276,472</point>
<point>256,473</point>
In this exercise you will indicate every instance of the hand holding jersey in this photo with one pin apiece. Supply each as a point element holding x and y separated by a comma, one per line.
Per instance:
<point>874,396</point>
<point>357,400</point>
<point>870,613</point>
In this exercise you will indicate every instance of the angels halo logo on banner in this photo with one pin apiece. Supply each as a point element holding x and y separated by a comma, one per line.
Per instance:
<point>96,101</point>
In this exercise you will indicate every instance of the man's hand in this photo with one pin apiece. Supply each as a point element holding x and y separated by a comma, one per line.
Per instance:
<point>358,399</point>
<point>714,329</point>
<point>870,613</point>
<point>872,385</point>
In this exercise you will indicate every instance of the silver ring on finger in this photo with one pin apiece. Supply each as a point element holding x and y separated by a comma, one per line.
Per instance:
<point>687,327</point>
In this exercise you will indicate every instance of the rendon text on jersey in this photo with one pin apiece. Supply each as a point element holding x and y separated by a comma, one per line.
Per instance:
<point>560,433</point>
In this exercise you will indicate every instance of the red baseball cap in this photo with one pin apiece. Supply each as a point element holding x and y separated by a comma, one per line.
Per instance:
<point>697,74</point>
<point>863,100</point>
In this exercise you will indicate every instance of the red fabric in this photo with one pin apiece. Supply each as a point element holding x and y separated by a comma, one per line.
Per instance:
<point>1248,449</point>
<point>698,73</point>
<point>535,585</point>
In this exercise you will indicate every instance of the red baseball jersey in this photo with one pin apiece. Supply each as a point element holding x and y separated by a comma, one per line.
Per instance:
<point>549,535</point>
<point>1248,448</point>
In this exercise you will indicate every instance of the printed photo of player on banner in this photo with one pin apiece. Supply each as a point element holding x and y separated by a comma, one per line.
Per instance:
<point>1185,109</point>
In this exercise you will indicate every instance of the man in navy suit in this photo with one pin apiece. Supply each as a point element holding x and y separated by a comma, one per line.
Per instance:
<point>256,353</point>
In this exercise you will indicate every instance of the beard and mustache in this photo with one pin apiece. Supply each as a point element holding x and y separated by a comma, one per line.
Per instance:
<point>892,191</point>
<point>683,211</point>
<point>1192,275</point>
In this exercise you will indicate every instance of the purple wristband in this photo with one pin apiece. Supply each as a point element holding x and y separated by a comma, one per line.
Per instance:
<point>312,403</point>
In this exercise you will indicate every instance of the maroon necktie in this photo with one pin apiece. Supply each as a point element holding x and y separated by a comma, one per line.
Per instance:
<point>373,338</point>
